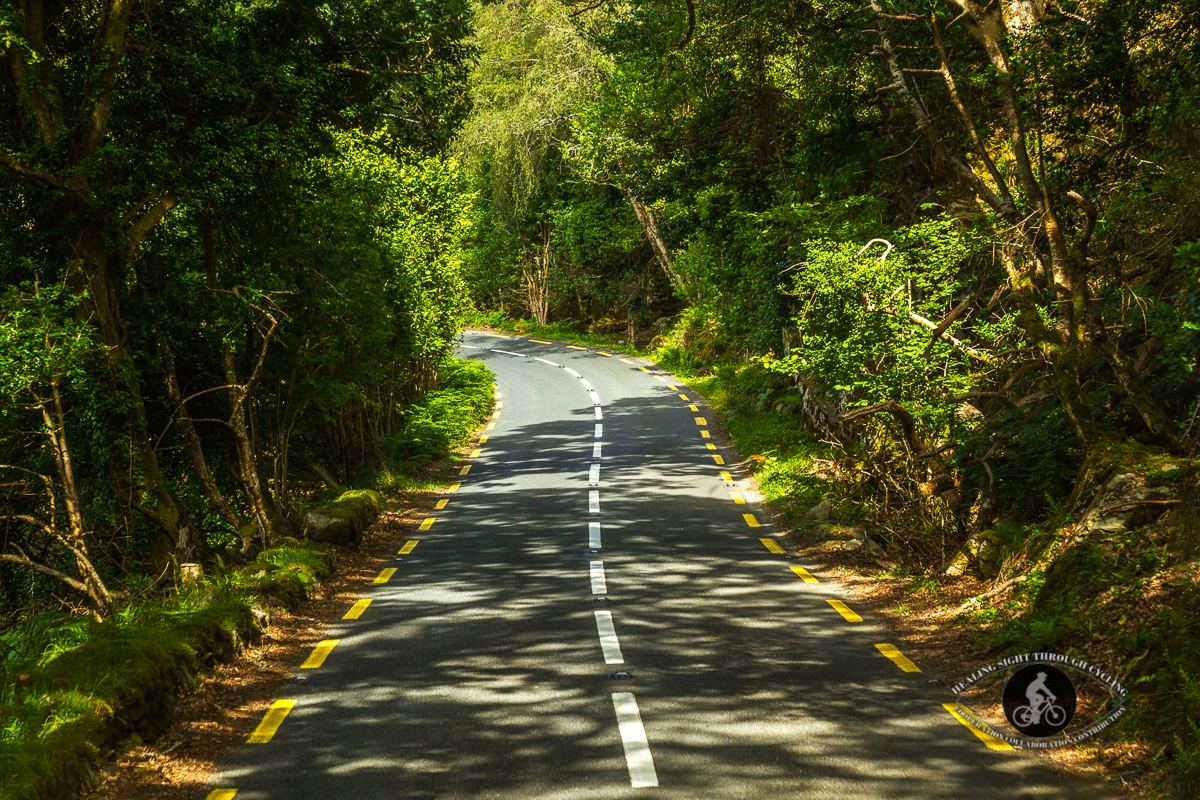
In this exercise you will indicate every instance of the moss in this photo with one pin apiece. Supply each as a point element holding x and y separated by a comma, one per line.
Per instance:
<point>345,520</point>
<point>122,680</point>
<point>281,528</point>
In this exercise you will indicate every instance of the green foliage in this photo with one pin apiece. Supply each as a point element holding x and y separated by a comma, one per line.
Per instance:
<point>445,419</point>
<point>855,319</point>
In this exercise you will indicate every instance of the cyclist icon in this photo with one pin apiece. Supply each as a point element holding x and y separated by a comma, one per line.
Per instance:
<point>1041,702</point>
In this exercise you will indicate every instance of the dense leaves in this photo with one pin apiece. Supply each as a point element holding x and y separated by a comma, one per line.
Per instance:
<point>230,256</point>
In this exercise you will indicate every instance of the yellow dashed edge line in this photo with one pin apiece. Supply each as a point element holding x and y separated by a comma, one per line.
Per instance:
<point>357,609</point>
<point>454,487</point>
<point>385,575</point>
<point>321,652</point>
<point>770,545</point>
<point>539,341</point>
<point>465,470</point>
<point>271,721</point>
<point>991,741</point>
<point>408,547</point>
<point>725,476</point>
<point>440,505</point>
<point>751,520</point>
<point>475,453</point>
<point>221,794</point>
<point>737,498</point>
<point>426,523</point>
<point>718,460</point>
<point>805,575</point>
<point>845,611</point>
<point>701,421</point>
<point>899,659</point>
<point>626,361</point>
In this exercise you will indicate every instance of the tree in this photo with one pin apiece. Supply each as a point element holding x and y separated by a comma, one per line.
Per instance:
<point>121,114</point>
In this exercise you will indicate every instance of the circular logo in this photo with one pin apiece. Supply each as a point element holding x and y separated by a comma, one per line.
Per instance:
<point>1039,700</point>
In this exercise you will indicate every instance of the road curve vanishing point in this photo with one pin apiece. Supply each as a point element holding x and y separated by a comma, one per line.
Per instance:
<point>593,610</point>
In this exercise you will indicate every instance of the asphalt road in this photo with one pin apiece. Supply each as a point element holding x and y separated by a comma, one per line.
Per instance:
<point>592,615</point>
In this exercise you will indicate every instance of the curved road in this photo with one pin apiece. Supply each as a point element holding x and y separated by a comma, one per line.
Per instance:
<point>593,612</point>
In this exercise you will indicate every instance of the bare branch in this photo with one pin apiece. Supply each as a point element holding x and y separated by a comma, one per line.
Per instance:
<point>954,314</point>
<point>26,561</point>
<point>972,130</point>
<point>15,164</point>
<point>691,28</point>
<point>886,252</point>
<point>1091,213</point>
<point>136,232</point>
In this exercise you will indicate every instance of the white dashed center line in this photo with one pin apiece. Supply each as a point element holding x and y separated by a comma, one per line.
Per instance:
<point>608,638</point>
<point>599,585</point>
<point>633,737</point>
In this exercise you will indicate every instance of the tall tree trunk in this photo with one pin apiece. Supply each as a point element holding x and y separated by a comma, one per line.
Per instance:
<point>649,224</point>
<point>140,482</point>
<point>247,463</point>
<point>192,444</point>
<point>56,425</point>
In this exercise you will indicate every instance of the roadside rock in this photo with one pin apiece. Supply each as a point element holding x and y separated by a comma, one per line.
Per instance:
<point>1125,501</point>
<point>984,551</point>
<point>344,520</point>
<point>819,512</point>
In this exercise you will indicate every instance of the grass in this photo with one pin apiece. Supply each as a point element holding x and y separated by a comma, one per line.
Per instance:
<point>71,685</point>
